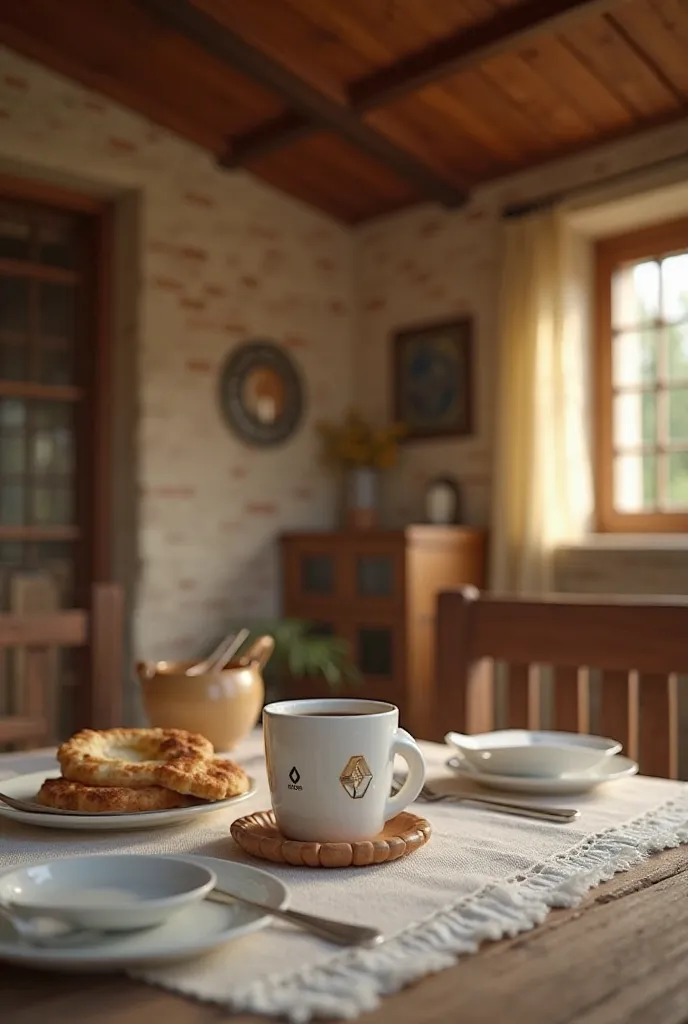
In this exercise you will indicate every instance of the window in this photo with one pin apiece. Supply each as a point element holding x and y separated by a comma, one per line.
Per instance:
<point>642,380</point>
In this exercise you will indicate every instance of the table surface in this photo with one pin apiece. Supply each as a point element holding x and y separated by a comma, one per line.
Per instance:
<point>618,956</point>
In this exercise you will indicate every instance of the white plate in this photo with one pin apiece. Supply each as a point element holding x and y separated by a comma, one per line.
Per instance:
<point>610,770</point>
<point>25,787</point>
<point>195,930</point>
<point>538,753</point>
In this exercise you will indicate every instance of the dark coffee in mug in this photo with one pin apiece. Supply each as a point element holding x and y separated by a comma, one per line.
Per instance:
<point>332,714</point>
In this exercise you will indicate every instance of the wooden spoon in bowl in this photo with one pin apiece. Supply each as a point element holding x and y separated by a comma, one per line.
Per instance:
<point>220,656</point>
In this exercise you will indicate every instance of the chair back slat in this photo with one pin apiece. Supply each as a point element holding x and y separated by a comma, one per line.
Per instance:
<point>638,644</point>
<point>519,693</point>
<point>480,708</point>
<point>616,717</point>
<point>571,699</point>
<point>658,724</point>
<point>23,731</point>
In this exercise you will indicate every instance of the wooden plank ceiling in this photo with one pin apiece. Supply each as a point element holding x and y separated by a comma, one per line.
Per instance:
<point>360,107</point>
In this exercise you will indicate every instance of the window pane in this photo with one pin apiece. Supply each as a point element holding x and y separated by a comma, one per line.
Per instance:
<point>14,305</point>
<point>678,414</point>
<point>635,357</point>
<point>11,552</point>
<point>678,480</point>
<point>56,243</point>
<point>57,310</point>
<point>13,362</point>
<point>52,506</point>
<point>12,452</point>
<point>635,295</point>
<point>12,412</point>
<point>675,287</point>
<point>52,415</point>
<point>635,483</point>
<point>57,558</point>
<point>15,235</point>
<point>52,443</point>
<point>11,504</point>
<point>56,366</point>
<point>635,418</point>
<point>677,351</point>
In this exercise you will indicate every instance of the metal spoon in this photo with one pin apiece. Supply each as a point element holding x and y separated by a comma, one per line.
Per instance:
<point>339,932</point>
<point>220,656</point>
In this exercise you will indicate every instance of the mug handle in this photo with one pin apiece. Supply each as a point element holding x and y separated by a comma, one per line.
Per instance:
<point>406,746</point>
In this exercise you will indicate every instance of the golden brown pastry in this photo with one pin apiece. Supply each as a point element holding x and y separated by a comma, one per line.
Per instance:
<point>207,779</point>
<point>129,757</point>
<point>74,796</point>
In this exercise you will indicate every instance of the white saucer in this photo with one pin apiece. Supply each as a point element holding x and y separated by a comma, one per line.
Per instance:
<point>25,787</point>
<point>610,770</point>
<point>196,929</point>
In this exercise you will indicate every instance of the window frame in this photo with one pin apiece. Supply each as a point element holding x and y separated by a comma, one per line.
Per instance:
<point>653,241</point>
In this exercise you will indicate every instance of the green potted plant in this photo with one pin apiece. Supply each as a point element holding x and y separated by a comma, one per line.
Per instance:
<point>302,652</point>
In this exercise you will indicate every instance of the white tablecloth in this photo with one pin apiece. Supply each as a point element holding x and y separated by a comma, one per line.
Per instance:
<point>482,875</point>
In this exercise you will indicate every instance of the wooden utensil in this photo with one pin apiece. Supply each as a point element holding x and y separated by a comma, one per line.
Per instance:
<point>220,656</point>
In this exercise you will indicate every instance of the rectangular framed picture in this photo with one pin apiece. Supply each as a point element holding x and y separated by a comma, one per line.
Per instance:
<point>433,379</point>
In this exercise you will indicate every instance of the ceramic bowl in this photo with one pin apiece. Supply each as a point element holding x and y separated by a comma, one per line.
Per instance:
<point>525,753</point>
<point>110,893</point>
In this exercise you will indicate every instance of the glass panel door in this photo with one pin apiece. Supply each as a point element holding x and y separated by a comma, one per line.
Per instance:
<point>47,340</point>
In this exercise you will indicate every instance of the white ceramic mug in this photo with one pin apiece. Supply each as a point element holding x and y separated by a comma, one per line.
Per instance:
<point>330,765</point>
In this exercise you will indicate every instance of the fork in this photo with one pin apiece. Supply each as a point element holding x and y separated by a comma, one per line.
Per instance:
<point>558,815</point>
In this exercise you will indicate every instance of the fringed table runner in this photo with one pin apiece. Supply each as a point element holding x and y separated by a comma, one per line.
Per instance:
<point>481,876</point>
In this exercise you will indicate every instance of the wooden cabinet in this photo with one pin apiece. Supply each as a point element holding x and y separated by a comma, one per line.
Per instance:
<point>378,590</point>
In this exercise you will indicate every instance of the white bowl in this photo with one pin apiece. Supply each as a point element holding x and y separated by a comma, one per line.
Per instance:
<point>110,893</point>
<point>537,754</point>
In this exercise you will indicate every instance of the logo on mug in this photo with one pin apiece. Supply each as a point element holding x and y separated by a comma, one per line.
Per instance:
<point>295,777</point>
<point>356,777</point>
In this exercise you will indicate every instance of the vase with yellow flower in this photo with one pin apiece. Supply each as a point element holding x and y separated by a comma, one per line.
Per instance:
<point>363,450</point>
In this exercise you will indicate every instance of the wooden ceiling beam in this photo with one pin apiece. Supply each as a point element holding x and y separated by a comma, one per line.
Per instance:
<point>184,17</point>
<point>276,133</point>
<point>507,30</point>
<point>504,32</point>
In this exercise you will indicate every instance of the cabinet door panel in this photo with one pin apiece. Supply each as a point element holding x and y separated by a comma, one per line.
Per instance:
<point>374,574</point>
<point>312,572</point>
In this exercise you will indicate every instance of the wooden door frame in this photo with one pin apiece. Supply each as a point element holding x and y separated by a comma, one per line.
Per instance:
<point>94,427</point>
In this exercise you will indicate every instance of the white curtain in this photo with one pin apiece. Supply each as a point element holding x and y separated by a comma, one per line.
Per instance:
<point>542,493</point>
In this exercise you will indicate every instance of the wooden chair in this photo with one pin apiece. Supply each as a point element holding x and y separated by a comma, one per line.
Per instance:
<point>97,632</point>
<point>637,646</point>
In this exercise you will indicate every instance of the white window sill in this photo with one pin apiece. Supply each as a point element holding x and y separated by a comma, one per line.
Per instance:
<point>630,542</point>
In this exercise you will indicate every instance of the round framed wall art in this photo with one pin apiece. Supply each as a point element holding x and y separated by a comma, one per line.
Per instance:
<point>261,393</point>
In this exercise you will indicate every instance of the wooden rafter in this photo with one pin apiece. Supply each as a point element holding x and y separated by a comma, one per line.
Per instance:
<point>253,144</point>
<point>506,31</point>
<point>323,113</point>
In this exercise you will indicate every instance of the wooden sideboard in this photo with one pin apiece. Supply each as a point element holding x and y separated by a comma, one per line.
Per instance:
<point>378,590</point>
